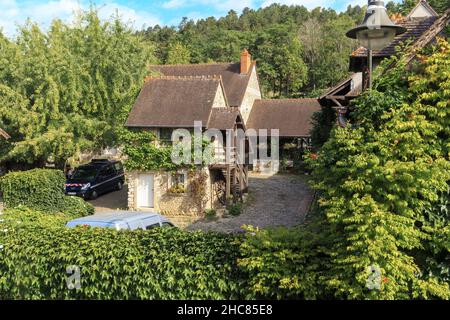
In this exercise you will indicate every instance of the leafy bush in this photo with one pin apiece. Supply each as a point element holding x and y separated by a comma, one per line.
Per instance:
<point>284,263</point>
<point>210,213</point>
<point>25,216</point>
<point>378,179</point>
<point>154,264</point>
<point>235,209</point>
<point>39,189</point>
<point>77,207</point>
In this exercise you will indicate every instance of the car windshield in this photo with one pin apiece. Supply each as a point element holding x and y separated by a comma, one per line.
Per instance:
<point>85,173</point>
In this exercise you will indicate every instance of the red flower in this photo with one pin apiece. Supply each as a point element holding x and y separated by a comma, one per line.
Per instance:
<point>313,156</point>
<point>385,280</point>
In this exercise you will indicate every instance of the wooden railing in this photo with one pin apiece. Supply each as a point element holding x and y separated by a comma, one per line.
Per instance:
<point>220,155</point>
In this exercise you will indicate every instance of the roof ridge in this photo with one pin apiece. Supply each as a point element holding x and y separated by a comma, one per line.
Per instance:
<point>192,64</point>
<point>164,77</point>
<point>287,99</point>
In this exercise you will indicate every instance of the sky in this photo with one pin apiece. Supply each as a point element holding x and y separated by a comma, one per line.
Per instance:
<point>141,13</point>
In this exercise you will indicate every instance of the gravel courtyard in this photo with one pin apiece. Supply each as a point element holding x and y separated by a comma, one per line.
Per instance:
<point>279,200</point>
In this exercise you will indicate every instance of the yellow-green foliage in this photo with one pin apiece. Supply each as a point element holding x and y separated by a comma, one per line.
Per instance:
<point>41,190</point>
<point>380,176</point>
<point>69,89</point>
<point>163,263</point>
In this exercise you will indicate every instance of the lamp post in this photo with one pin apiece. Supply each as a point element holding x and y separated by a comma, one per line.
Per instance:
<point>375,32</point>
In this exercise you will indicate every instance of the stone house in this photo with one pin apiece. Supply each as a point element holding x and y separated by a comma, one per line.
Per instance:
<point>167,103</point>
<point>224,97</point>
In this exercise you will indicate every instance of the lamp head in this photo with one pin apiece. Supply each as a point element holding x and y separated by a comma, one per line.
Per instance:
<point>377,30</point>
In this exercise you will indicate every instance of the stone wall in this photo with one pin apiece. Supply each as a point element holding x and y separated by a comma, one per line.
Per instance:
<point>168,204</point>
<point>252,93</point>
<point>219,100</point>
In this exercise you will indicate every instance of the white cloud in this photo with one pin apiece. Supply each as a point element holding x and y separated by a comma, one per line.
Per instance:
<point>138,19</point>
<point>174,4</point>
<point>13,13</point>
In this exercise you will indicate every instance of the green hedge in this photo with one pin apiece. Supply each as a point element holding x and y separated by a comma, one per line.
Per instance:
<point>39,189</point>
<point>74,206</point>
<point>154,264</point>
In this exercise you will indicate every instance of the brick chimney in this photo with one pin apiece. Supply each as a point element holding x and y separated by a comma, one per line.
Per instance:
<point>246,61</point>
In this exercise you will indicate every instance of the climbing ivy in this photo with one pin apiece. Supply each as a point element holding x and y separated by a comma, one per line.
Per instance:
<point>144,153</point>
<point>379,177</point>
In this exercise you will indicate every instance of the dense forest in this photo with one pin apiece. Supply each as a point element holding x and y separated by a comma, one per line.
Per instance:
<point>299,52</point>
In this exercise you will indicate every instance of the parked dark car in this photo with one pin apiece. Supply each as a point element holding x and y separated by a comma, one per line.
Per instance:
<point>96,178</point>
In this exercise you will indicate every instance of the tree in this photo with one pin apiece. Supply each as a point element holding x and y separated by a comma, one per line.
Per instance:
<point>326,50</point>
<point>311,33</point>
<point>378,180</point>
<point>407,5</point>
<point>279,54</point>
<point>66,91</point>
<point>222,40</point>
<point>178,54</point>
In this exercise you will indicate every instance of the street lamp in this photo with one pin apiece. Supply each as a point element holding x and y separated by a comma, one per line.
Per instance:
<point>376,31</point>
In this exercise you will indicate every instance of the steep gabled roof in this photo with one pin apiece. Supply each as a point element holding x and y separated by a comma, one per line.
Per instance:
<point>430,34</point>
<point>234,82</point>
<point>425,6</point>
<point>174,102</point>
<point>291,116</point>
<point>223,118</point>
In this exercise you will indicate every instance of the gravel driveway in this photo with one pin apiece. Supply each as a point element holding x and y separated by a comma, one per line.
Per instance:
<point>112,201</point>
<point>280,200</point>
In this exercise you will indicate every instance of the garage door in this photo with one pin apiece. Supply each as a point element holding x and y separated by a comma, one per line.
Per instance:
<point>145,191</point>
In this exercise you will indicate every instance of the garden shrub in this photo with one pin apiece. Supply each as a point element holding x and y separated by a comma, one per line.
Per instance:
<point>163,263</point>
<point>235,209</point>
<point>210,213</point>
<point>77,207</point>
<point>282,263</point>
<point>378,179</point>
<point>39,189</point>
<point>25,216</point>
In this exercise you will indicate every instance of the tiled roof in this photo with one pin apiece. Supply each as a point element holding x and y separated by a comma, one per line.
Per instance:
<point>223,118</point>
<point>234,82</point>
<point>174,102</point>
<point>291,116</point>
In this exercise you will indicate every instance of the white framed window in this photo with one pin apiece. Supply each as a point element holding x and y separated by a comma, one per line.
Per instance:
<point>178,182</point>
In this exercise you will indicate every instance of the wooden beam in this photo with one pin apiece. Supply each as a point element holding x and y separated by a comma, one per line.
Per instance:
<point>337,97</point>
<point>337,102</point>
<point>4,134</point>
<point>228,184</point>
